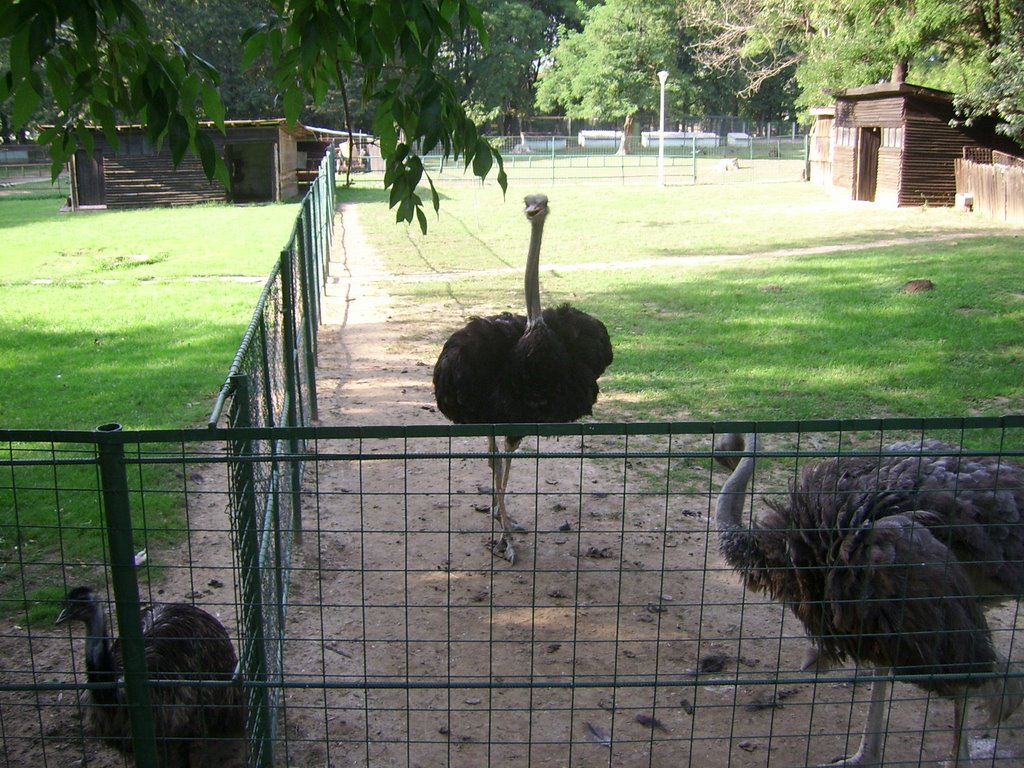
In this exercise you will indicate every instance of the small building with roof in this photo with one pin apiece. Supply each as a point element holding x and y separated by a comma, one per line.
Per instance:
<point>896,144</point>
<point>268,161</point>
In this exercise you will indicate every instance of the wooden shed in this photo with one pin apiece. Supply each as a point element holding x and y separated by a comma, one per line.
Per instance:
<point>896,144</point>
<point>267,161</point>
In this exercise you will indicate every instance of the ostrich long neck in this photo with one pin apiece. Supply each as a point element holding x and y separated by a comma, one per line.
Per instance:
<point>99,661</point>
<point>531,282</point>
<point>729,507</point>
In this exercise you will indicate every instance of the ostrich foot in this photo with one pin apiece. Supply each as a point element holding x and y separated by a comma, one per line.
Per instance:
<point>859,759</point>
<point>513,524</point>
<point>502,547</point>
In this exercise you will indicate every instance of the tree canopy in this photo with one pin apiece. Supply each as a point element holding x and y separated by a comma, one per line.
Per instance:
<point>608,69</point>
<point>969,47</point>
<point>101,64</point>
<point>426,73</point>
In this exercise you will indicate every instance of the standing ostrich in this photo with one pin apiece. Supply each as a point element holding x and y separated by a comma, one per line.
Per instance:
<point>182,643</point>
<point>513,369</point>
<point>887,560</point>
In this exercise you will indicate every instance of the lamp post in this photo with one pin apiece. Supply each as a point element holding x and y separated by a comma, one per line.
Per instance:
<point>663,77</point>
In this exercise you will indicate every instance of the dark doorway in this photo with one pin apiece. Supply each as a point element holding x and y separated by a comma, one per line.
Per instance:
<point>89,187</point>
<point>869,141</point>
<point>251,166</point>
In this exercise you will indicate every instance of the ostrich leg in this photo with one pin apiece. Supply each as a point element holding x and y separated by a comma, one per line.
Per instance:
<point>500,468</point>
<point>870,750</point>
<point>960,754</point>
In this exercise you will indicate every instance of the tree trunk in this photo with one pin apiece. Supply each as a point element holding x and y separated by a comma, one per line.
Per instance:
<point>899,72</point>
<point>627,131</point>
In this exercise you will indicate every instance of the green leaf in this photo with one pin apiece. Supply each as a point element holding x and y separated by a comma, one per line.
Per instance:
<point>253,46</point>
<point>213,106</point>
<point>26,100</point>
<point>482,160</point>
<point>384,127</point>
<point>59,85</point>
<point>292,104</point>
<point>178,137</point>
<point>502,177</point>
<point>84,17</point>
<point>207,153</point>
<point>405,210</point>
<point>310,45</point>
<point>435,198</point>
<point>104,117</point>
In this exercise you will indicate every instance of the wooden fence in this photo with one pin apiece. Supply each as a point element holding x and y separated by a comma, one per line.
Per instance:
<point>994,188</point>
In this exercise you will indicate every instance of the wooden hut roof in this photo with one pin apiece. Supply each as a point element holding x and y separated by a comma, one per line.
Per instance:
<point>885,90</point>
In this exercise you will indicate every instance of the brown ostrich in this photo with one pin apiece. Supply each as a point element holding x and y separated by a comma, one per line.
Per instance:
<point>183,644</point>
<point>888,560</point>
<point>539,368</point>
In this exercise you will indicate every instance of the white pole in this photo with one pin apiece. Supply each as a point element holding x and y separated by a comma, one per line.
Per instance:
<point>663,77</point>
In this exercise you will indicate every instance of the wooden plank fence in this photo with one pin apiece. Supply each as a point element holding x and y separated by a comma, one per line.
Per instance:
<point>994,189</point>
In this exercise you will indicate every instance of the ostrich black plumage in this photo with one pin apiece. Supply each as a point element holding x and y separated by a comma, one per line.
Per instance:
<point>888,560</point>
<point>508,368</point>
<point>182,643</point>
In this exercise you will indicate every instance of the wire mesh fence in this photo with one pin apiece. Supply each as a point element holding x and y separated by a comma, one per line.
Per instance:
<point>687,158</point>
<point>276,362</point>
<point>620,637</point>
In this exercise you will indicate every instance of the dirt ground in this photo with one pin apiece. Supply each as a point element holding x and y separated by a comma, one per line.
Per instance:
<point>421,649</point>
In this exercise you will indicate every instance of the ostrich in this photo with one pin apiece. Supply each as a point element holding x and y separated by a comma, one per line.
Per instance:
<point>182,643</point>
<point>512,369</point>
<point>887,560</point>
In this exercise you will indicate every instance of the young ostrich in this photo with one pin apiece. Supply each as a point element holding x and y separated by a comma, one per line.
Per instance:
<point>887,560</point>
<point>182,643</point>
<point>508,368</point>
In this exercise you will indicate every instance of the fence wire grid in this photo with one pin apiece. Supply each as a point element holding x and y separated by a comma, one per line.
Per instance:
<point>684,161</point>
<point>619,638</point>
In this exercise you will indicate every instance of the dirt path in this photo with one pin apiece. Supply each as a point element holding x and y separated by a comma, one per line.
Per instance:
<point>611,582</point>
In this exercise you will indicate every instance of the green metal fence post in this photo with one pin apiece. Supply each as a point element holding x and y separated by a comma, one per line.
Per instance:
<point>114,483</point>
<point>289,301</point>
<point>246,526</point>
<point>290,338</point>
<point>311,318</point>
<point>693,157</point>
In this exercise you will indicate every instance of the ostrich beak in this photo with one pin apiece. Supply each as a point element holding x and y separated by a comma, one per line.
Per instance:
<point>62,617</point>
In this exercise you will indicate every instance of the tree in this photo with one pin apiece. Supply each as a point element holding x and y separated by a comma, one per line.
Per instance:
<point>608,70</point>
<point>1001,89</point>
<point>758,40</point>
<point>496,81</point>
<point>212,30</point>
<point>102,65</point>
<point>971,47</point>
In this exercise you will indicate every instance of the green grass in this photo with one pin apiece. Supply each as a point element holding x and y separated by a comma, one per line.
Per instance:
<point>778,332</point>
<point>127,316</point>
<point>116,316</point>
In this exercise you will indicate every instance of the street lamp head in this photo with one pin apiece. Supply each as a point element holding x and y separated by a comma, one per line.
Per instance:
<point>663,76</point>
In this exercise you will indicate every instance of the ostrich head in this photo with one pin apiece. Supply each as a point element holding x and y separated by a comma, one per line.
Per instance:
<point>536,208</point>
<point>80,605</point>
<point>729,441</point>
<point>536,211</point>
<point>83,605</point>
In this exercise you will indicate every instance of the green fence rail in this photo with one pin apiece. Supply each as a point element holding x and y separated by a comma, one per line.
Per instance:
<point>620,638</point>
